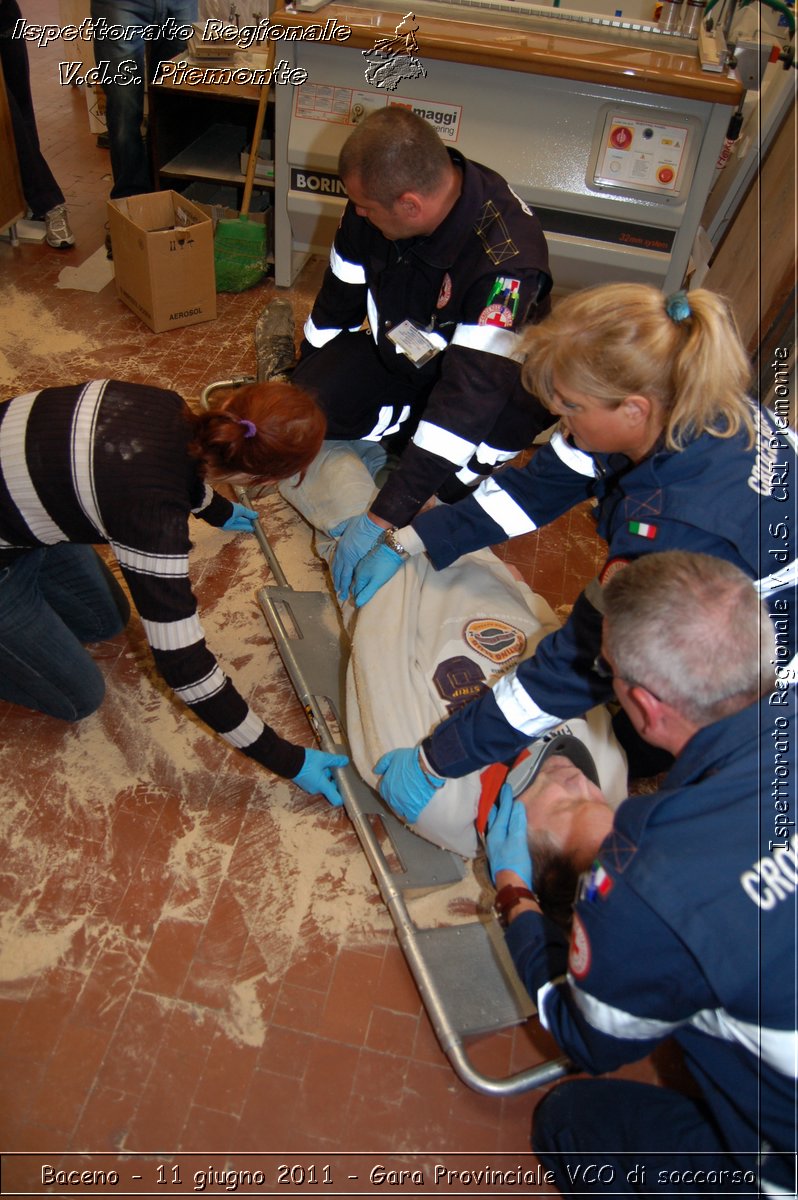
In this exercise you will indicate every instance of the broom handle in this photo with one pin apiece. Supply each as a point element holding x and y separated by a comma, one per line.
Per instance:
<point>253,150</point>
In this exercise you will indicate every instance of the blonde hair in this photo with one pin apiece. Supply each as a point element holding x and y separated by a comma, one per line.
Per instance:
<point>618,340</point>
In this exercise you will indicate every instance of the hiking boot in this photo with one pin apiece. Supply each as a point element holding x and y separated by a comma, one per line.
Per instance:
<point>56,228</point>
<point>274,341</point>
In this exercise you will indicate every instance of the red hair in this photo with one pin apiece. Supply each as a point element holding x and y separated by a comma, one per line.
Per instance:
<point>265,430</point>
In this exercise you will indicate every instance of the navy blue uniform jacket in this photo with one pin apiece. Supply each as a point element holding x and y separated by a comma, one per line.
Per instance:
<point>716,496</point>
<point>686,928</point>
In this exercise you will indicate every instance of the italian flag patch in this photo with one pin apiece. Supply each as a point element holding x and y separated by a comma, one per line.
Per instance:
<point>643,530</point>
<point>602,881</point>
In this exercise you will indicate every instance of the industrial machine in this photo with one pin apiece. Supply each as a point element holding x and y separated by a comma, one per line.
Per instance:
<point>607,124</point>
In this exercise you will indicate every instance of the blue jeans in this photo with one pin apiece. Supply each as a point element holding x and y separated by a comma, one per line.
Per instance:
<point>124,99</point>
<point>52,600</point>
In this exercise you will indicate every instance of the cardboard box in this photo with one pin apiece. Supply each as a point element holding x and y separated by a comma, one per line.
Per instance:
<point>163,259</point>
<point>264,163</point>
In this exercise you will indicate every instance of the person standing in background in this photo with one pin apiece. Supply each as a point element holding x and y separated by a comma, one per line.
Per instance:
<point>39,186</point>
<point>127,64</point>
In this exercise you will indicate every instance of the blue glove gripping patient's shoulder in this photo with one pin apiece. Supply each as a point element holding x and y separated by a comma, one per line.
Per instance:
<point>405,785</point>
<point>315,775</point>
<point>356,537</point>
<point>241,520</point>
<point>373,572</point>
<point>506,841</point>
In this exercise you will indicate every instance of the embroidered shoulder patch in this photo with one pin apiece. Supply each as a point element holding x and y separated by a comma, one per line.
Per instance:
<point>495,639</point>
<point>459,680</point>
<point>496,314</point>
<point>611,567</point>
<point>643,529</point>
<point>494,234</point>
<point>445,294</point>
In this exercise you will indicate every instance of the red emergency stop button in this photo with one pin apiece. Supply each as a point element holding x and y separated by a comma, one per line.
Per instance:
<point>621,137</point>
<point>665,174</point>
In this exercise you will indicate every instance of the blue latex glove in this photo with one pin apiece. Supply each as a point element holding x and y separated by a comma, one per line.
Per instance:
<point>241,520</point>
<point>405,785</point>
<point>356,537</point>
<point>315,775</point>
<point>506,838</point>
<point>380,564</point>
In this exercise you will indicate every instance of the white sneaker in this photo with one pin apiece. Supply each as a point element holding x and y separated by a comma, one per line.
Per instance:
<point>57,231</point>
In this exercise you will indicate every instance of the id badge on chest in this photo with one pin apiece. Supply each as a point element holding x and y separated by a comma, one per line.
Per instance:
<point>413,342</point>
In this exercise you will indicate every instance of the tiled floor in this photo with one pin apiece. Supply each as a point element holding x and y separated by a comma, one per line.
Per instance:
<point>193,954</point>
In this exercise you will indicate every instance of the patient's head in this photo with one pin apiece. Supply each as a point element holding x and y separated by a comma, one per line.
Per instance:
<point>567,819</point>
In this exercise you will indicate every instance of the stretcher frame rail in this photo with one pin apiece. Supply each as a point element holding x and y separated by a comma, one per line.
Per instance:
<point>464,973</point>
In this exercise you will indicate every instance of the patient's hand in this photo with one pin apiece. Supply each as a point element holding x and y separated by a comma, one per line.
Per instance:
<point>570,808</point>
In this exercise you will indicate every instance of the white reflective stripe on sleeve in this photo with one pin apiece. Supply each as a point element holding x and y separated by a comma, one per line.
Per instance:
<point>577,460</point>
<point>501,508</point>
<point>466,476</point>
<point>487,456</point>
<point>319,337</point>
<point>435,339</point>
<point>82,451</point>
<point>347,272</point>
<point>169,566</point>
<point>541,999</point>
<point>490,339</point>
<point>173,635</point>
<point>491,456</point>
<point>203,689</point>
<point>519,709</point>
<point>16,474</point>
<point>403,415</point>
<point>383,425</point>
<point>207,496</point>
<point>437,440</point>
<point>373,316</point>
<point>616,1021</point>
<point>777,1047</point>
<point>246,733</point>
<point>787,576</point>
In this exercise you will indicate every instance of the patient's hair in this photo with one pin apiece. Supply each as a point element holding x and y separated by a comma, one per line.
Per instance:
<point>692,630</point>
<point>555,878</point>
<point>268,431</point>
<point>393,151</point>
<point>618,340</point>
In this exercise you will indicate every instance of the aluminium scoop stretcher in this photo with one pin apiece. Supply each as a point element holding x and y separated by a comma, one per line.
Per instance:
<point>463,972</point>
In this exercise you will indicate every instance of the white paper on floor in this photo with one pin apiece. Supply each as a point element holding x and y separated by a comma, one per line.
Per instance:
<point>91,276</point>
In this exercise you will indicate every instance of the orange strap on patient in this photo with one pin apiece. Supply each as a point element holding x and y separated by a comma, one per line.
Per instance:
<point>492,779</point>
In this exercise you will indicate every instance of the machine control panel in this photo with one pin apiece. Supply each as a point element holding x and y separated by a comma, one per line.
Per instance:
<point>638,153</point>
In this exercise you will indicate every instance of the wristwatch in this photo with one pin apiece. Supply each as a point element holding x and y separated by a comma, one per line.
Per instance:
<point>393,543</point>
<point>508,897</point>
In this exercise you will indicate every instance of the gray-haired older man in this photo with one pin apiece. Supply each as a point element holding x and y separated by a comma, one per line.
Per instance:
<point>684,926</point>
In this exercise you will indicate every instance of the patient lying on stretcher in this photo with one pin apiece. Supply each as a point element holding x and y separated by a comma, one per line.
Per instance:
<point>429,642</point>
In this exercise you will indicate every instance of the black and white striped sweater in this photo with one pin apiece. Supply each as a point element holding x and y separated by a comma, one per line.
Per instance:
<point>107,462</point>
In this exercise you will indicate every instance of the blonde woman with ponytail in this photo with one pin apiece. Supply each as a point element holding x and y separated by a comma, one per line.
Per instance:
<point>656,427</point>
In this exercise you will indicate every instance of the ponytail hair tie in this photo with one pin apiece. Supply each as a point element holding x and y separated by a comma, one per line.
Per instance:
<point>250,429</point>
<point>678,307</point>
